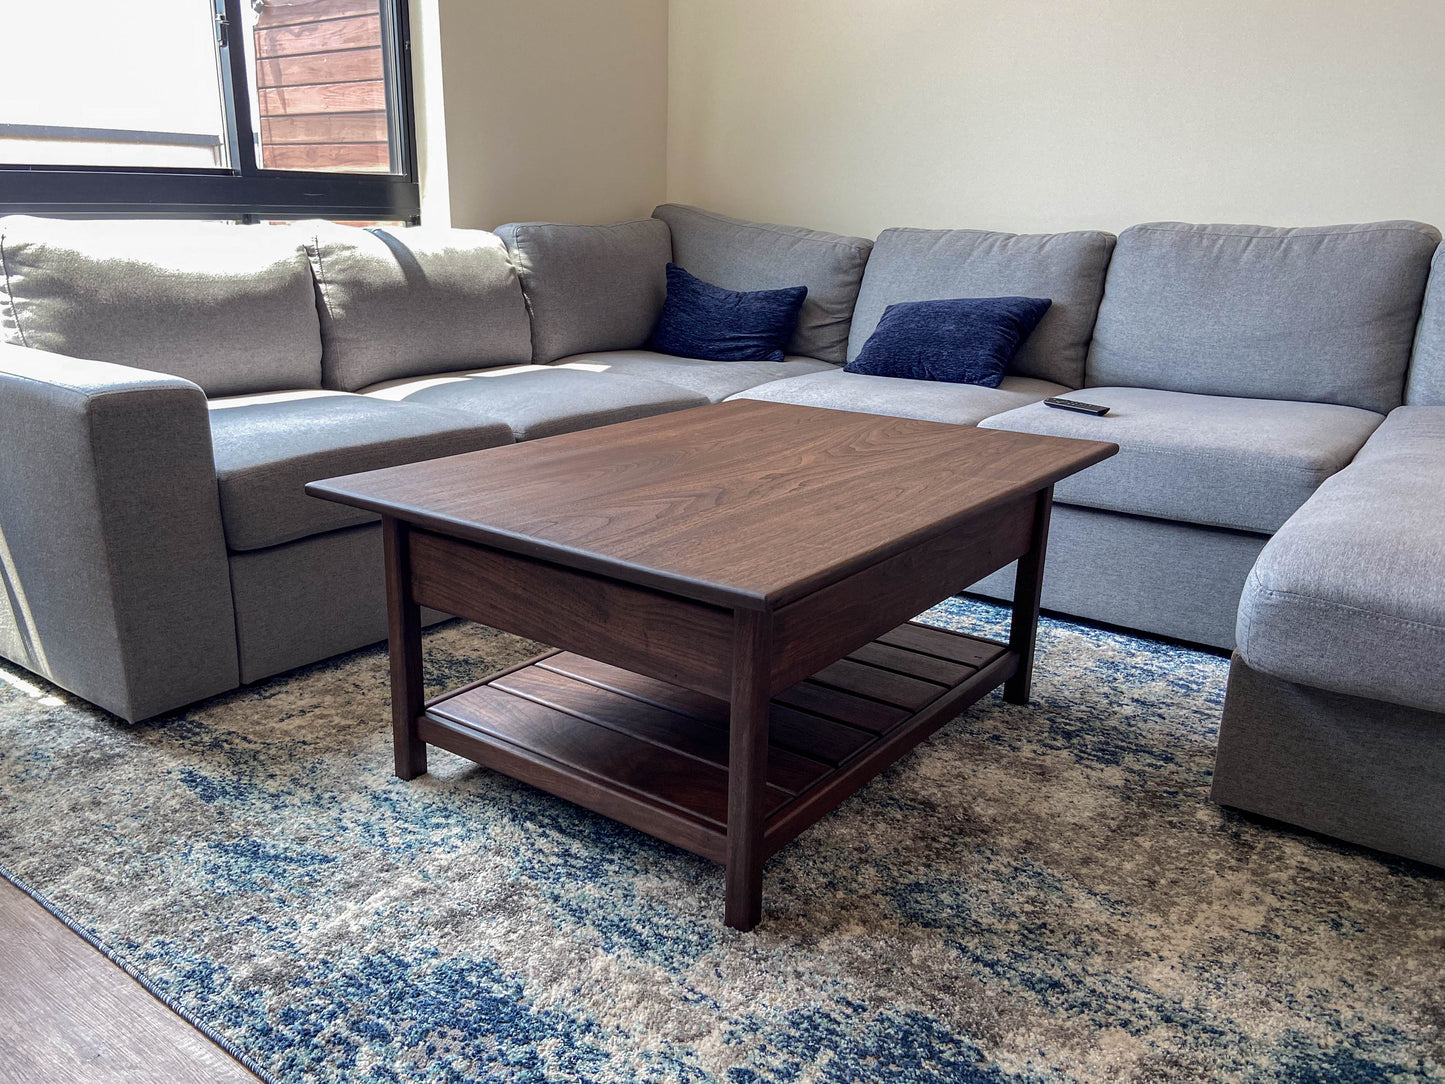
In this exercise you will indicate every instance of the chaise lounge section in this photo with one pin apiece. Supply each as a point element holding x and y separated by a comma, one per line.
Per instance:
<point>1335,715</point>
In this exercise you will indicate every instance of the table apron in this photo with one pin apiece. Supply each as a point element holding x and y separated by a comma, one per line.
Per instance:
<point>840,618</point>
<point>677,640</point>
<point>689,643</point>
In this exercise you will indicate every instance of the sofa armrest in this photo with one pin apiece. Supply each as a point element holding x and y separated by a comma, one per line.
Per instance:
<point>114,581</point>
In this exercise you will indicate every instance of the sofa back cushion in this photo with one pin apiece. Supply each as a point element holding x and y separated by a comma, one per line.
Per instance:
<point>231,308</point>
<point>931,265</point>
<point>402,302</point>
<point>590,287</point>
<point>740,255</point>
<point>1322,314</point>
<point>1426,386</point>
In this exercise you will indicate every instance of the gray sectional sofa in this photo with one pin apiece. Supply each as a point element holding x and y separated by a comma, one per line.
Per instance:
<point>166,391</point>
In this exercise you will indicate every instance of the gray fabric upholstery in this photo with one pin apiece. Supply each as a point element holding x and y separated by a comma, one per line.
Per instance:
<point>1359,770</point>
<point>929,265</point>
<point>929,400</point>
<point>715,380</point>
<point>267,447</point>
<point>1171,579</point>
<point>399,302</point>
<point>1426,384</point>
<point>231,308</point>
<point>1322,314</point>
<point>310,599</point>
<point>540,401</point>
<point>113,580</point>
<point>1350,594</point>
<point>1246,464</point>
<point>590,287</point>
<point>740,255</point>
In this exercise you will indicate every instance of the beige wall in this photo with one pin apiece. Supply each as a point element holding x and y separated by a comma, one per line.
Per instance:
<point>552,109</point>
<point>855,115</point>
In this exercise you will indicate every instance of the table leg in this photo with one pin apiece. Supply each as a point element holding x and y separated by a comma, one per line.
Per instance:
<point>748,766</point>
<point>403,630</point>
<point>1028,587</point>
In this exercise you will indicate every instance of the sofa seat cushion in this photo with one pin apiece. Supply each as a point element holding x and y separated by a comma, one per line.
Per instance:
<point>715,380</point>
<point>928,400</point>
<point>1246,464</point>
<point>267,447</point>
<point>542,400</point>
<point>1349,596</point>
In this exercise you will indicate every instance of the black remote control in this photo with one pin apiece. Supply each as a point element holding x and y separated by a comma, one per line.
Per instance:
<point>1074,404</point>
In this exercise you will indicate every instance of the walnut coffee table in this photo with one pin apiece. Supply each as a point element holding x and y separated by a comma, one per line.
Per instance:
<point>730,588</point>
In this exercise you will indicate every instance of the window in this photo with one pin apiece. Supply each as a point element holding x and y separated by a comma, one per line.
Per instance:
<point>207,108</point>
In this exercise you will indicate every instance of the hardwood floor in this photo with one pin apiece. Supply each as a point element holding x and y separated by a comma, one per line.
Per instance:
<point>69,1014</point>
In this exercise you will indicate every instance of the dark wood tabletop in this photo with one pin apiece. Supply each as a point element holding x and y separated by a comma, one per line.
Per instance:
<point>742,504</point>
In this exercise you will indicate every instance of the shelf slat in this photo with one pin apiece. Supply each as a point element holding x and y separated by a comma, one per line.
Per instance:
<point>943,643</point>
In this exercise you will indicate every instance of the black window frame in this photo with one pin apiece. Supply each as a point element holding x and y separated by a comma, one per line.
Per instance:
<point>245,191</point>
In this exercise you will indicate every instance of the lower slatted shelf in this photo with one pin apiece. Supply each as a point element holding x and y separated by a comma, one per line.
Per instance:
<point>655,755</point>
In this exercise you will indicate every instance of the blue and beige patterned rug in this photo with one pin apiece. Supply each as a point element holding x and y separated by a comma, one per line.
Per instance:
<point>1037,894</point>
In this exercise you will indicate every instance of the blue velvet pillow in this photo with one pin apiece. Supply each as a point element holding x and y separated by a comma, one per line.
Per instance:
<point>965,340</point>
<point>700,320</point>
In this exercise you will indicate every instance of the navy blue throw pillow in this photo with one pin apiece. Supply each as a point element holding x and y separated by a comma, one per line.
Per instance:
<point>965,340</point>
<point>700,320</point>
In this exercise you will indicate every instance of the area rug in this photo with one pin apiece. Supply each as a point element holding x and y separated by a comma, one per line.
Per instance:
<point>1040,893</point>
